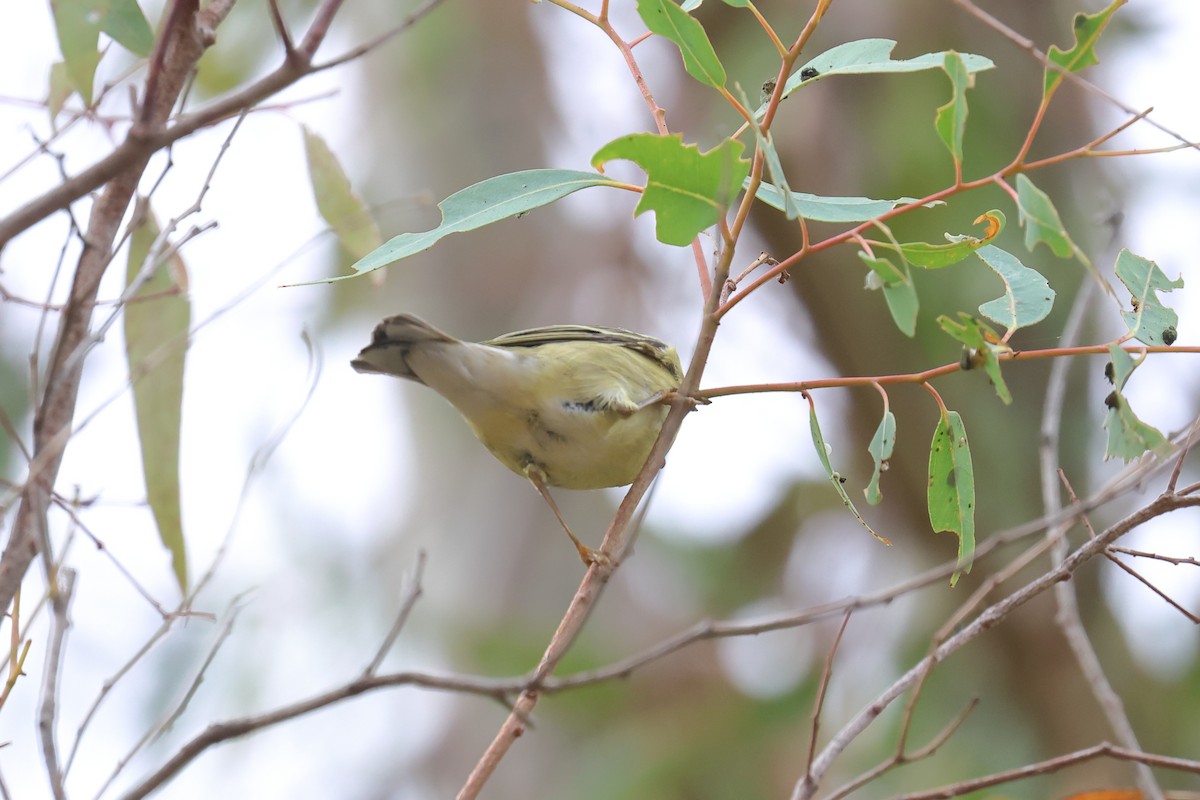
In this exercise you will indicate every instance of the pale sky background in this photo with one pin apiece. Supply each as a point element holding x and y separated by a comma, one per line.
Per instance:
<point>241,374</point>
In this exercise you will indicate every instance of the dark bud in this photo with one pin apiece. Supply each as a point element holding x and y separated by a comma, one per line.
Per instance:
<point>808,73</point>
<point>1110,372</point>
<point>1113,400</point>
<point>1169,335</point>
<point>966,360</point>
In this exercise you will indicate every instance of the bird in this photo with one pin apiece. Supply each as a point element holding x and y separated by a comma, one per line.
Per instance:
<point>570,406</point>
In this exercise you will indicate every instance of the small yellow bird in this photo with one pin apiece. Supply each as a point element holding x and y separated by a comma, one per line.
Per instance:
<point>566,405</point>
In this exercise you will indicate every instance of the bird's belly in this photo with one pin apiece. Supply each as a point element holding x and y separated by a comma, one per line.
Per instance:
<point>576,448</point>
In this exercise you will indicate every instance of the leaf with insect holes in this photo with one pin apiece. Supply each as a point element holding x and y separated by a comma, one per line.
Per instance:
<point>687,190</point>
<point>881,451</point>
<point>1150,321</point>
<point>898,290</point>
<point>1128,436</point>
<point>834,478</point>
<point>1087,29</point>
<point>1027,299</point>
<point>156,338</point>
<point>951,493</point>
<point>1040,219</point>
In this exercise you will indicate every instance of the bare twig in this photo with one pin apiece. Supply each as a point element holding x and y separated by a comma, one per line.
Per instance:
<point>826,675</point>
<point>989,618</point>
<point>411,594</point>
<point>1103,750</point>
<point>1068,617</point>
<point>60,598</point>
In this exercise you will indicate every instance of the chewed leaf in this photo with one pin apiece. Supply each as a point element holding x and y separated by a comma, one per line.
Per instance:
<point>870,56</point>
<point>834,478</point>
<point>898,290</point>
<point>1150,321</point>
<point>482,204</point>
<point>980,349</point>
<point>1087,28</point>
<point>951,493</point>
<point>1128,436</point>
<point>1040,219</point>
<point>687,190</point>
<point>951,119</point>
<point>1027,299</point>
<point>671,22</point>
<point>881,450</point>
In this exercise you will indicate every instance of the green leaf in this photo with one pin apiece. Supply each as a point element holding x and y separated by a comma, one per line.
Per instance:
<point>871,56</point>
<point>827,209</point>
<point>881,451</point>
<point>978,339</point>
<point>61,88</point>
<point>127,25</point>
<point>1128,436</point>
<point>671,22</point>
<point>898,290</point>
<point>1040,219</point>
<point>951,119</point>
<point>834,478</point>
<point>952,488</point>
<point>1027,299</point>
<point>77,23</point>
<point>687,190</point>
<point>482,204</point>
<point>1087,28</point>
<point>344,210</point>
<point>157,319</point>
<point>936,256</point>
<point>1150,319</point>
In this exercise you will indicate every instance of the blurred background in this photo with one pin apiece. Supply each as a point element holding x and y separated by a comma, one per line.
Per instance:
<point>742,522</point>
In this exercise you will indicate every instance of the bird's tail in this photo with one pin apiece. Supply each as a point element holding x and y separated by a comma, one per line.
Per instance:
<point>391,342</point>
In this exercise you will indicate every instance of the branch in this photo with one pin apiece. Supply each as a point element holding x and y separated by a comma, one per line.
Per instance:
<point>990,617</point>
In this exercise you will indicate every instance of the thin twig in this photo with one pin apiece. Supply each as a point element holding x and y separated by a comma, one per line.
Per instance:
<point>411,594</point>
<point>61,592</point>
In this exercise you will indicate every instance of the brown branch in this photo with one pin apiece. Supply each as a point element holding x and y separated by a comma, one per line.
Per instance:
<point>1102,750</point>
<point>989,618</point>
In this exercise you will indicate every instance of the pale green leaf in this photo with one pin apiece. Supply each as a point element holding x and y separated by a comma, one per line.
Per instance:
<point>157,319</point>
<point>482,204</point>
<point>827,209</point>
<point>1150,319</point>
<point>339,205</point>
<point>870,56</point>
<point>898,290</point>
<point>127,25</point>
<point>881,451</point>
<point>1040,219</point>
<point>834,478</point>
<point>77,23</point>
<point>1027,299</point>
